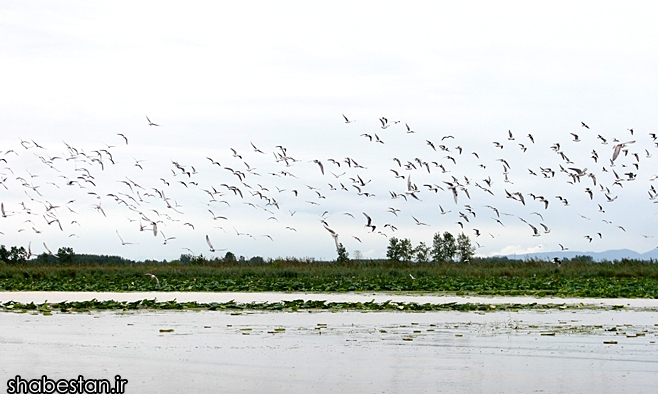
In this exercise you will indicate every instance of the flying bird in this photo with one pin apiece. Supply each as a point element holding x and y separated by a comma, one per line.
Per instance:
<point>212,249</point>
<point>616,149</point>
<point>151,123</point>
<point>369,222</point>
<point>154,277</point>
<point>419,223</point>
<point>122,241</point>
<point>318,162</point>
<point>124,137</point>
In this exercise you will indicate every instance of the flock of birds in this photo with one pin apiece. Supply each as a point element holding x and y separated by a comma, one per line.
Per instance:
<point>73,190</point>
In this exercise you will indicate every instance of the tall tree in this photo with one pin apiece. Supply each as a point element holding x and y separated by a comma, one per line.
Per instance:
<point>392,251</point>
<point>14,255</point>
<point>465,249</point>
<point>343,256</point>
<point>400,249</point>
<point>422,253</point>
<point>66,255</point>
<point>230,257</point>
<point>444,247</point>
<point>4,254</point>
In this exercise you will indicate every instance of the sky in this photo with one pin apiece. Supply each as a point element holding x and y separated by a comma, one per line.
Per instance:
<point>217,76</point>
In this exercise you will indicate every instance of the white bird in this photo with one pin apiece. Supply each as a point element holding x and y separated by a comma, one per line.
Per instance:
<point>334,235</point>
<point>212,249</point>
<point>618,147</point>
<point>419,223</point>
<point>154,277</point>
<point>122,241</point>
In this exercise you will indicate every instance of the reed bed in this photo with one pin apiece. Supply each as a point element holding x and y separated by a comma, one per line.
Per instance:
<point>575,278</point>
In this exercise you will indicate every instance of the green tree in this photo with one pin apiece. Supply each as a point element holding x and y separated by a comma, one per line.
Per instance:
<point>465,249</point>
<point>230,257</point>
<point>399,249</point>
<point>435,251</point>
<point>343,256</point>
<point>66,255</point>
<point>422,253</point>
<point>43,258</point>
<point>185,258</point>
<point>14,255</point>
<point>444,247</point>
<point>392,252</point>
<point>257,260</point>
<point>4,254</point>
<point>407,249</point>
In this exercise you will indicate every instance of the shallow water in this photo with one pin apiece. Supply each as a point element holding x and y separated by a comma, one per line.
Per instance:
<point>322,352</point>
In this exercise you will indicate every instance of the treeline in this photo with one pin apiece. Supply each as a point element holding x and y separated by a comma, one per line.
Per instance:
<point>64,255</point>
<point>445,248</point>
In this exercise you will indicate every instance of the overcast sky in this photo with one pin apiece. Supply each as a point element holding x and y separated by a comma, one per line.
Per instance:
<point>216,76</point>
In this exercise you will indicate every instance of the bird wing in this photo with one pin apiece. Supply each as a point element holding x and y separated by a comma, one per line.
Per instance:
<point>368,218</point>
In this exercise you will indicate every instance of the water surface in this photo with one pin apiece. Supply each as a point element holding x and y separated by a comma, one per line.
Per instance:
<point>554,351</point>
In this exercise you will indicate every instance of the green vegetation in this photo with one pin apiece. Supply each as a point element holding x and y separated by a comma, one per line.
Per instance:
<point>291,306</point>
<point>447,266</point>
<point>490,276</point>
<point>343,256</point>
<point>13,256</point>
<point>444,249</point>
<point>399,250</point>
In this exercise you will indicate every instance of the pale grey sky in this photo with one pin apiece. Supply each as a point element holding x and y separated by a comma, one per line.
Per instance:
<point>220,76</point>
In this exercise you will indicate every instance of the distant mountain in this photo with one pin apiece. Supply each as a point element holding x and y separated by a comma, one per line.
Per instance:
<point>609,255</point>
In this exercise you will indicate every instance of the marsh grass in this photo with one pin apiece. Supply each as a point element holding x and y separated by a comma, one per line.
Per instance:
<point>627,278</point>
